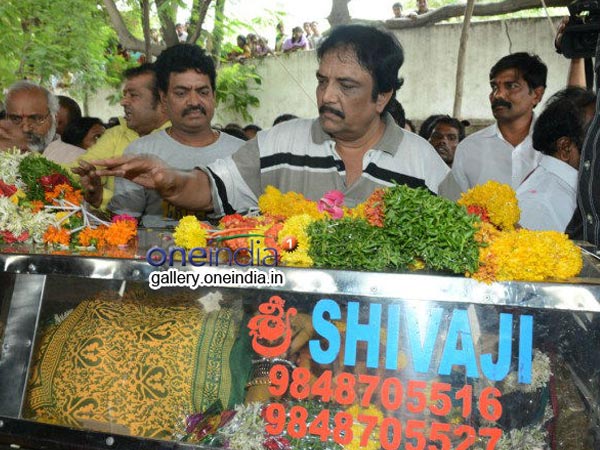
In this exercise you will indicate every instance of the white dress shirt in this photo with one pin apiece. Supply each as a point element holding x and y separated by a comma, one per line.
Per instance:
<point>548,197</point>
<point>486,155</point>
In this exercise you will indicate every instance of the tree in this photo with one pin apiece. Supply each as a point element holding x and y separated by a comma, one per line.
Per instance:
<point>39,40</point>
<point>166,12</point>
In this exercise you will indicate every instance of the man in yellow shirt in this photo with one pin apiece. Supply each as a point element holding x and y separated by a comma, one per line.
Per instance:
<point>143,115</point>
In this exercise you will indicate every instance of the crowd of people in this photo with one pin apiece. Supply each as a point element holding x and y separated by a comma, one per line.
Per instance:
<point>165,157</point>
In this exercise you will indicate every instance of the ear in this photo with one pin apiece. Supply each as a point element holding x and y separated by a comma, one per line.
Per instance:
<point>538,93</point>
<point>382,100</point>
<point>563,148</point>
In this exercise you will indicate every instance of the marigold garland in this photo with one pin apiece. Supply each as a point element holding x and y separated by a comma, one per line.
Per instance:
<point>190,233</point>
<point>529,256</point>
<point>297,227</point>
<point>120,232</point>
<point>273,202</point>
<point>499,201</point>
<point>59,236</point>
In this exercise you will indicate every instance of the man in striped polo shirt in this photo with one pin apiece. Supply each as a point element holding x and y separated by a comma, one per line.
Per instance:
<point>354,146</point>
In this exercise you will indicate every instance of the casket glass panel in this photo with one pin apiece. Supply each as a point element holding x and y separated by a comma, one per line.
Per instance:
<point>393,371</point>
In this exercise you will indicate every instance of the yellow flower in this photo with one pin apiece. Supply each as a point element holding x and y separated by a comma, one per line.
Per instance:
<point>296,226</point>
<point>59,216</point>
<point>529,256</point>
<point>190,233</point>
<point>499,200</point>
<point>274,203</point>
<point>17,196</point>
<point>358,212</point>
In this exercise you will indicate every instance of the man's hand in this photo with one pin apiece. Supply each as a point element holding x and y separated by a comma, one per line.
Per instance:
<point>91,183</point>
<point>148,171</point>
<point>11,136</point>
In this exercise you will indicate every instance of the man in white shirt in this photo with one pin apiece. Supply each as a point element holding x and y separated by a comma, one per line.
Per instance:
<point>503,151</point>
<point>547,197</point>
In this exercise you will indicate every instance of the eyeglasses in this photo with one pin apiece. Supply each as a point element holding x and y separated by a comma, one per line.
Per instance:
<point>35,119</point>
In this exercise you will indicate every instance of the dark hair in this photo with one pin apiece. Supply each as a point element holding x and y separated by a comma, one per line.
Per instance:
<point>242,38</point>
<point>252,127</point>
<point>582,98</point>
<point>427,126</point>
<point>397,5</point>
<point>397,111</point>
<point>143,69</point>
<point>562,118</point>
<point>71,106</point>
<point>180,58</point>
<point>284,118</point>
<point>411,125</point>
<point>235,132</point>
<point>450,121</point>
<point>377,51</point>
<point>530,66</point>
<point>77,130</point>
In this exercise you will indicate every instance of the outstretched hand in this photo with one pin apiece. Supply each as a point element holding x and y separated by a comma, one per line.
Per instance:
<point>91,183</point>
<point>148,171</point>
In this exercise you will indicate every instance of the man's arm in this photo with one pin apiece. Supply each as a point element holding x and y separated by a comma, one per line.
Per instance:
<point>190,190</point>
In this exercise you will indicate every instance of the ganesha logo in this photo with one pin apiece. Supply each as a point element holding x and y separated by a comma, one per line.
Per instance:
<point>271,330</point>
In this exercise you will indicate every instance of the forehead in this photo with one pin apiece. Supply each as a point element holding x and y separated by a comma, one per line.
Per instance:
<point>144,80</point>
<point>30,99</point>
<point>188,79</point>
<point>511,74</point>
<point>445,129</point>
<point>342,63</point>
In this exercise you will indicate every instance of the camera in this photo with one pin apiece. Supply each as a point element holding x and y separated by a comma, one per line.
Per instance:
<point>581,33</point>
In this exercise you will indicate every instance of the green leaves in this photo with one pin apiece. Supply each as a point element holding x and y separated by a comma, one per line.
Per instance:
<point>417,226</point>
<point>235,90</point>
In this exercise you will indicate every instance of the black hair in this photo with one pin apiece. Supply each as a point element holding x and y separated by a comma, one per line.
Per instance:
<point>561,118</point>
<point>427,126</point>
<point>284,118</point>
<point>582,98</point>
<point>450,121</point>
<point>235,132</point>
<point>252,127</point>
<point>181,58</point>
<point>530,67</point>
<point>242,38</point>
<point>71,106</point>
<point>377,51</point>
<point>397,5</point>
<point>397,111</point>
<point>77,130</point>
<point>143,69</point>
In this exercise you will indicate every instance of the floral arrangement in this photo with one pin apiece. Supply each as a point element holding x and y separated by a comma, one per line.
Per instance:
<point>397,228</point>
<point>40,202</point>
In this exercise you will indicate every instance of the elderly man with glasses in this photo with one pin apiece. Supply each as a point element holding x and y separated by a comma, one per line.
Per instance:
<point>31,113</point>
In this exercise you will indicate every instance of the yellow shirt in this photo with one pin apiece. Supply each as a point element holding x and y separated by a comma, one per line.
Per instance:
<point>111,145</point>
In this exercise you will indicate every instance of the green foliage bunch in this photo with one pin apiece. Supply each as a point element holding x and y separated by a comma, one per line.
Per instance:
<point>64,41</point>
<point>33,167</point>
<point>235,86</point>
<point>418,226</point>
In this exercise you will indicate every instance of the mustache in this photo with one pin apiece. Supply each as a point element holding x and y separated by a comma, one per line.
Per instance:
<point>191,109</point>
<point>325,108</point>
<point>504,103</point>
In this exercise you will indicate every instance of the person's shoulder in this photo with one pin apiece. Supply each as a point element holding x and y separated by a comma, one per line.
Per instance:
<point>147,143</point>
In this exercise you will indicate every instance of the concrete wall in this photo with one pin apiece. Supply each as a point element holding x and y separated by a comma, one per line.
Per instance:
<point>429,72</point>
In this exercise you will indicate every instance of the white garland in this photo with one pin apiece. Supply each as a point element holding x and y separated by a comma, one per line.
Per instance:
<point>541,373</point>
<point>246,430</point>
<point>17,220</point>
<point>9,167</point>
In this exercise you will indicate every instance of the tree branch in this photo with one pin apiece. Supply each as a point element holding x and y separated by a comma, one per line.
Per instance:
<point>167,24</point>
<point>339,13</point>
<point>126,39</point>
<point>202,10</point>
<point>481,9</point>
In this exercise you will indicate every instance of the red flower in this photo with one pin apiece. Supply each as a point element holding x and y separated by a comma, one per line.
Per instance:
<point>8,238</point>
<point>374,208</point>
<point>479,211</point>
<point>6,190</point>
<point>277,443</point>
<point>49,182</point>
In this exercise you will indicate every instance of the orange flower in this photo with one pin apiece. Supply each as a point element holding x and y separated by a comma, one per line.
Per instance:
<point>374,208</point>
<point>120,232</point>
<point>66,192</point>
<point>37,206</point>
<point>91,237</point>
<point>55,235</point>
